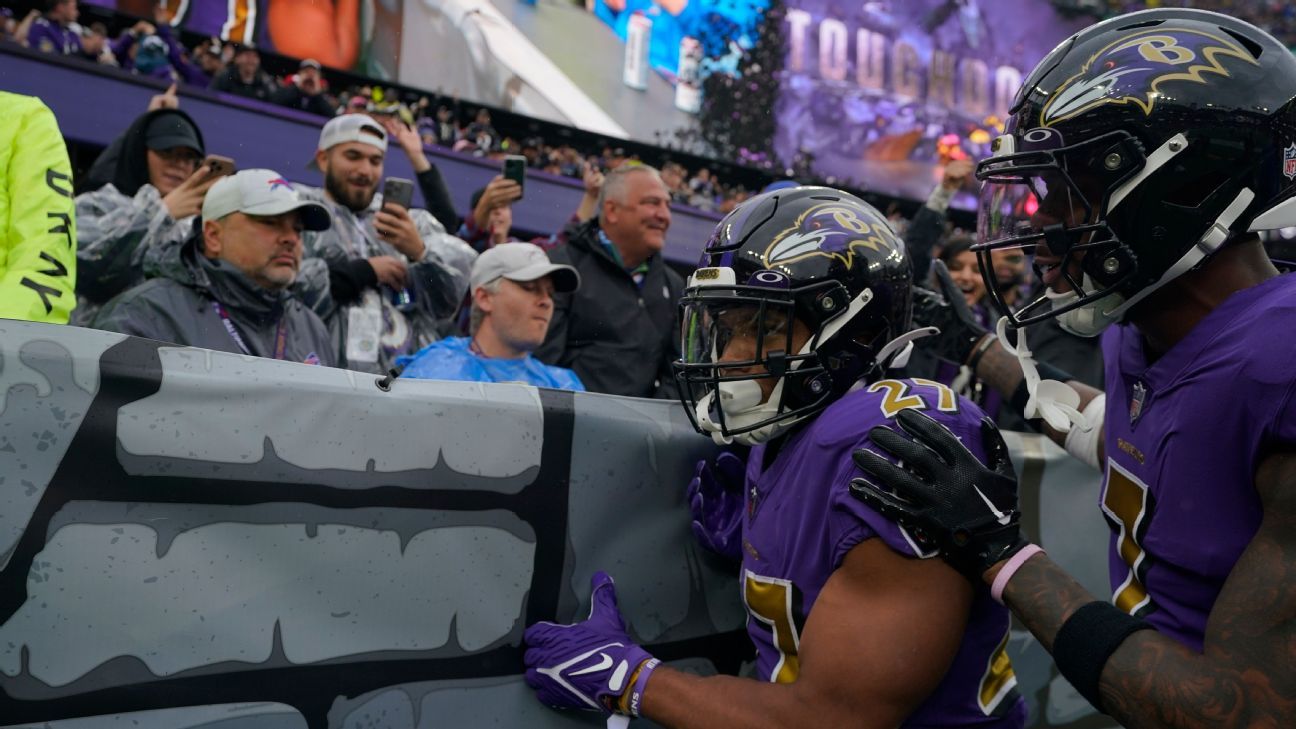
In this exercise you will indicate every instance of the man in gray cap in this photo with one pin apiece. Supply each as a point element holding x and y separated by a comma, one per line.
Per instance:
<point>228,289</point>
<point>512,302</point>
<point>395,274</point>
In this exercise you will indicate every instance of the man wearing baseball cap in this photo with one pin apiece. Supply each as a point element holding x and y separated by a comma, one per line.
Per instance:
<point>395,274</point>
<point>305,90</point>
<point>139,202</point>
<point>512,302</point>
<point>244,76</point>
<point>228,289</point>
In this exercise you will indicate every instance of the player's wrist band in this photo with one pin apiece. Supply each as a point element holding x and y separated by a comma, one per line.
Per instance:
<point>1087,639</point>
<point>632,701</point>
<point>1014,563</point>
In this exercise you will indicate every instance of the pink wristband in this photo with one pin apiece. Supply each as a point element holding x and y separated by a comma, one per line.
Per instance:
<point>1010,569</point>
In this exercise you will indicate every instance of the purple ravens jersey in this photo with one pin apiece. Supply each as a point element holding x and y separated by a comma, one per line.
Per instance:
<point>801,520</point>
<point>1184,436</point>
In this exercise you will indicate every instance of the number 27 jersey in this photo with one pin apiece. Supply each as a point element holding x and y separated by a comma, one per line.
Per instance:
<point>801,520</point>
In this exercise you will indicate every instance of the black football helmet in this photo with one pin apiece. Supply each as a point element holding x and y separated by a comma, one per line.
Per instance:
<point>812,260</point>
<point>1137,148</point>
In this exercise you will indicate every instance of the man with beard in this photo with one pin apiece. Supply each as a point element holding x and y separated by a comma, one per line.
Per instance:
<point>394,273</point>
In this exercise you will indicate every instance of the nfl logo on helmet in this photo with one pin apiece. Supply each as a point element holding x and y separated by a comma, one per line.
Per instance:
<point>1289,161</point>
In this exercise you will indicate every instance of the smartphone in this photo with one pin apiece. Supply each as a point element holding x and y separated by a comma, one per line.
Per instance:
<point>515,170</point>
<point>398,191</point>
<point>219,166</point>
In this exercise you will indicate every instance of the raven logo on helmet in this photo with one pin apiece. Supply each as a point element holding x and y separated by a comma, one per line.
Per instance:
<point>1132,69</point>
<point>831,230</point>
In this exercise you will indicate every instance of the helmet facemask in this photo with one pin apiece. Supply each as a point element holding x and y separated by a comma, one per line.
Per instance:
<point>798,340</point>
<point>1053,199</point>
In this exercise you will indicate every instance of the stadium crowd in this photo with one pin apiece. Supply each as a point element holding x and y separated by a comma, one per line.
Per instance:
<point>152,48</point>
<point>391,285</point>
<point>402,278</point>
<point>170,242</point>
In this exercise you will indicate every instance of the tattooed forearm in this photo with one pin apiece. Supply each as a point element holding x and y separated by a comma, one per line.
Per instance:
<point>1000,370</point>
<point>1043,596</point>
<point>1246,674</point>
<point>1154,682</point>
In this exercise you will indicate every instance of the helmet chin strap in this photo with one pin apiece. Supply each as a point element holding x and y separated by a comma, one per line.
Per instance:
<point>1054,401</point>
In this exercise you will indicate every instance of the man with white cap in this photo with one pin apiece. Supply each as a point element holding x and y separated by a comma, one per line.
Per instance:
<point>228,289</point>
<point>512,302</point>
<point>395,274</point>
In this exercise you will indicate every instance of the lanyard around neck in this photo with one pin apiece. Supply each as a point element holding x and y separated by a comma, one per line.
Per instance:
<point>281,333</point>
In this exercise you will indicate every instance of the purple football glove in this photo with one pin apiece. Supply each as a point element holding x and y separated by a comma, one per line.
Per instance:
<point>715,497</point>
<point>590,665</point>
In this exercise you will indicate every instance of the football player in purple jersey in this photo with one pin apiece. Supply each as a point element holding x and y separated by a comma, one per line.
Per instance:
<point>1155,145</point>
<point>800,306</point>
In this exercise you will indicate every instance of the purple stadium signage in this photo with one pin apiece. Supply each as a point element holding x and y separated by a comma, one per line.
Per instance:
<point>873,90</point>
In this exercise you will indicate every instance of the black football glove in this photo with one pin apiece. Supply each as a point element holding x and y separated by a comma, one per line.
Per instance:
<point>942,494</point>
<point>960,332</point>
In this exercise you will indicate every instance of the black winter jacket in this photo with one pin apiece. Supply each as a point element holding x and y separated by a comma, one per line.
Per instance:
<point>619,338</point>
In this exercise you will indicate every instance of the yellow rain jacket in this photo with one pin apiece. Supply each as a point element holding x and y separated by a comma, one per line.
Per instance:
<point>37,214</point>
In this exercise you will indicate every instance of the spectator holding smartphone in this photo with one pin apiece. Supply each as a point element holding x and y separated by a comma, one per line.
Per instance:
<point>376,252</point>
<point>430,181</point>
<point>142,200</point>
<point>490,219</point>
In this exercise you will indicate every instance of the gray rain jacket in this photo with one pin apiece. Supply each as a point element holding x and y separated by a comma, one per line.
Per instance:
<point>116,235</point>
<point>438,281</point>
<point>121,220</point>
<point>178,307</point>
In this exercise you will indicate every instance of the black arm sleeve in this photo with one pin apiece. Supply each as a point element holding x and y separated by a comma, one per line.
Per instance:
<point>924,231</point>
<point>437,197</point>
<point>348,279</point>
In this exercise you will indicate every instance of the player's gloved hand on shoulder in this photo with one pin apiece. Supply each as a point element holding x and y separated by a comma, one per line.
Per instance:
<point>715,497</point>
<point>943,495</point>
<point>591,665</point>
<point>947,310</point>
